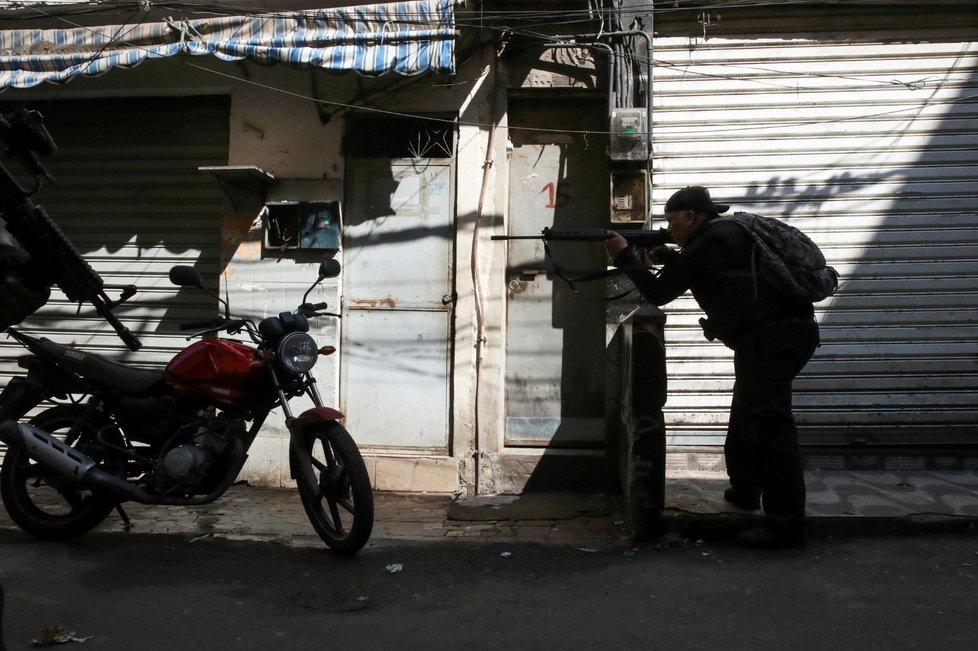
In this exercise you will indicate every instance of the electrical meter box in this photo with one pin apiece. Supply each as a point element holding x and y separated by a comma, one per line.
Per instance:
<point>302,225</point>
<point>629,196</point>
<point>629,134</point>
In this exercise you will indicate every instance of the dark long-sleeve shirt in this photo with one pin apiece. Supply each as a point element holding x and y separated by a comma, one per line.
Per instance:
<point>715,265</point>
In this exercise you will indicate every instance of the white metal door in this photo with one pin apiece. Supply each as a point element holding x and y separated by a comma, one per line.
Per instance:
<point>398,300</point>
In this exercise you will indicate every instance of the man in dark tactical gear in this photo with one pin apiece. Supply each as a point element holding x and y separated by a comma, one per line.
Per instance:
<point>772,335</point>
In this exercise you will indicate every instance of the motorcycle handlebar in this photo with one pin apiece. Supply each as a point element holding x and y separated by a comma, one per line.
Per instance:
<point>235,325</point>
<point>232,326</point>
<point>312,309</point>
<point>208,324</point>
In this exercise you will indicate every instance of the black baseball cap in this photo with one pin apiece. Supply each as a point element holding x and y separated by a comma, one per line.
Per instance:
<point>694,197</point>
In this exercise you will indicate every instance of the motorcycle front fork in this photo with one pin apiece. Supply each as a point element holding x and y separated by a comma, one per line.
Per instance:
<point>297,441</point>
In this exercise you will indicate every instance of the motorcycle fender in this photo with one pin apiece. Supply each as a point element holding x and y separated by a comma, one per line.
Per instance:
<point>316,415</point>
<point>298,427</point>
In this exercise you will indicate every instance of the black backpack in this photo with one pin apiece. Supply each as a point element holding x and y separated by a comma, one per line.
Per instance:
<point>787,258</point>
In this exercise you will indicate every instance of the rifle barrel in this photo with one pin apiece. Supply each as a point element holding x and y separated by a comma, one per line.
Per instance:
<point>641,238</point>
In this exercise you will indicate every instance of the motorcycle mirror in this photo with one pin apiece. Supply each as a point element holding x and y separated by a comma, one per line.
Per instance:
<point>329,268</point>
<point>185,276</point>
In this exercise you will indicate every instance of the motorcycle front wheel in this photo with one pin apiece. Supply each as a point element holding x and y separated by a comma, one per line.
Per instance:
<point>44,503</point>
<point>340,503</point>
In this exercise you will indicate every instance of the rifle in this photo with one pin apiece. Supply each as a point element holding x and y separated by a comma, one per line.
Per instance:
<point>640,239</point>
<point>24,137</point>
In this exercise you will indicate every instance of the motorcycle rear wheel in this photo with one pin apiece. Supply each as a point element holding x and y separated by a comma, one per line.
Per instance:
<point>42,503</point>
<point>341,505</point>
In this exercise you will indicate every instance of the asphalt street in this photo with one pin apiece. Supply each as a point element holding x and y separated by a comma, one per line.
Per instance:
<point>119,591</point>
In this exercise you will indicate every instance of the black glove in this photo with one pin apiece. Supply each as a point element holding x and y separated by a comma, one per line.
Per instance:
<point>708,331</point>
<point>662,254</point>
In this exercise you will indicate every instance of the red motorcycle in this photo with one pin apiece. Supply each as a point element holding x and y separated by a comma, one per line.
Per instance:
<point>108,433</point>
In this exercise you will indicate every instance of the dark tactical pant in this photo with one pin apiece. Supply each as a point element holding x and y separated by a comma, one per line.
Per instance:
<point>761,449</point>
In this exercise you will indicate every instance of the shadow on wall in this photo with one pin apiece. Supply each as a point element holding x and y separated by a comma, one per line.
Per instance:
<point>127,184</point>
<point>900,223</point>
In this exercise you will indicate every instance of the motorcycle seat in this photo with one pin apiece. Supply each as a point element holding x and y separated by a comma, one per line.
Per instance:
<point>103,371</point>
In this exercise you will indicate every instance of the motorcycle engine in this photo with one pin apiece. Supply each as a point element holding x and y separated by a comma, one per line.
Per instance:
<point>194,465</point>
<point>185,465</point>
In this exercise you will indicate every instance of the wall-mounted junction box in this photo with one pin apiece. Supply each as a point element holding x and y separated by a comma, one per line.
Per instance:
<point>629,135</point>
<point>629,196</point>
<point>302,225</point>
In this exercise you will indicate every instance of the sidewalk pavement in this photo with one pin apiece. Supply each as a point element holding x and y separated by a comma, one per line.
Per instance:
<point>839,503</point>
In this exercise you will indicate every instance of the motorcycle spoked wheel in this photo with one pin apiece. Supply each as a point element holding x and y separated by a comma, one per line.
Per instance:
<point>43,503</point>
<point>341,506</point>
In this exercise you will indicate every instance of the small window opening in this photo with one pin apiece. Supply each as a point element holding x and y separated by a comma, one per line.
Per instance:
<point>400,137</point>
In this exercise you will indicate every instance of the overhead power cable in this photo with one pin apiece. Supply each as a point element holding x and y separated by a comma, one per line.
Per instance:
<point>658,63</point>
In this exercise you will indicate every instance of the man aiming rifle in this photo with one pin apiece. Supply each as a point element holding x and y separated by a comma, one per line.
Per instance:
<point>773,335</point>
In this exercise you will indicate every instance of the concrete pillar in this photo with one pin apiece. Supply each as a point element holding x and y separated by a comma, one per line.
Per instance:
<point>636,390</point>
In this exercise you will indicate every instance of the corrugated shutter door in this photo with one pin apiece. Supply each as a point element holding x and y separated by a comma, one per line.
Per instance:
<point>129,196</point>
<point>871,149</point>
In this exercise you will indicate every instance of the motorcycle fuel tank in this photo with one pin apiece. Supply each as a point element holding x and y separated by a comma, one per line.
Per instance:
<point>214,365</point>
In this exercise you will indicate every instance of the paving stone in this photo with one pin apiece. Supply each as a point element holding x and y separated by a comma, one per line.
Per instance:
<point>839,497</point>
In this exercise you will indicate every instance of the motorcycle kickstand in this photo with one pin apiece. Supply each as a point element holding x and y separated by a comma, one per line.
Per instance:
<point>126,524</point>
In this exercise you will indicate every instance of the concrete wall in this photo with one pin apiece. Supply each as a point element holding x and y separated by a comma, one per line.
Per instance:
<point>276,124</point>
<point>284,135</point>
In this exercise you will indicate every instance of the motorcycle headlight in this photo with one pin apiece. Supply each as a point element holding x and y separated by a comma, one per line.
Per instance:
<point>297,352</point>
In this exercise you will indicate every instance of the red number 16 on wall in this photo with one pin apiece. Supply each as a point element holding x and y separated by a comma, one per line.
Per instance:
<point>556,194</point>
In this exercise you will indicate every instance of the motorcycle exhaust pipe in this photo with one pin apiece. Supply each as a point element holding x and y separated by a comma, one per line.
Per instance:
<point>54,455</point>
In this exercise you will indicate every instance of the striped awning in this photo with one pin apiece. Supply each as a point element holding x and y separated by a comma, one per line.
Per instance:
<point>406,38</point>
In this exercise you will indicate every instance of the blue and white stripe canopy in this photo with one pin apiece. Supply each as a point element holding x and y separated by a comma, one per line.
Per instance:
<point>406,38</point>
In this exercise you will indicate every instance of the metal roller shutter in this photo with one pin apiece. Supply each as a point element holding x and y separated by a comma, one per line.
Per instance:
<point>870,147</point>
<point>129,196</point>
